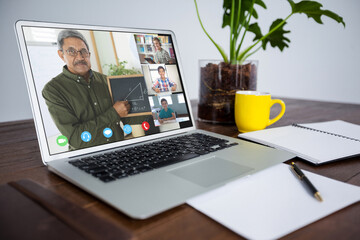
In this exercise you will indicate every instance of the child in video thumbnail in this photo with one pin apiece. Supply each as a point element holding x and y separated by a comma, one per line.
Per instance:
<point>166,113</point>
<point>163,83</point>
<point>161,55</point>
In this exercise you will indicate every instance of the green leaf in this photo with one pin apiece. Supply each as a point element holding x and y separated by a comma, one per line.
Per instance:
<point>312,10</point>
<point>245,9</point>
<point>277,38</point>
<point>254,28</point>
<point>117,70</point>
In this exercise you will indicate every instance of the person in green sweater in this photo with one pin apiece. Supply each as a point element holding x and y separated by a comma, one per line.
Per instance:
<point>161,55</point>
<point>166,113</point>
<point>78,99</point>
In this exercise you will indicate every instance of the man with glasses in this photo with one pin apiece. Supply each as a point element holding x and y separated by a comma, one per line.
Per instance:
<point>78,99</point>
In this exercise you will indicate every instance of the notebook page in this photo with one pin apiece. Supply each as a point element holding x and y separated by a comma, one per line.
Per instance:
<point>255,209</point>
<point>338,127</point>
<point>310,145</point>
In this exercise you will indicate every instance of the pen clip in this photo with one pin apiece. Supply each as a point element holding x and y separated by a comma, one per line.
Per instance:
<point>293,169</point>
<point>297,171</point>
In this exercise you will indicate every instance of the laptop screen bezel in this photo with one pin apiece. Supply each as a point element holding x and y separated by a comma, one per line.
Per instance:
<point>35,105</point>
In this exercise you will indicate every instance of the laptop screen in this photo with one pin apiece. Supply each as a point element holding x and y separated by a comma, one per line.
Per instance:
<point>98,87</point>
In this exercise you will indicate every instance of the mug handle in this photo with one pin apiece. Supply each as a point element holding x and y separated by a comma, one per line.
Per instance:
<point>282,104</point>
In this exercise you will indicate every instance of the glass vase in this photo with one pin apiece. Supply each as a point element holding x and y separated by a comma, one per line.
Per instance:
<point>219,82</point>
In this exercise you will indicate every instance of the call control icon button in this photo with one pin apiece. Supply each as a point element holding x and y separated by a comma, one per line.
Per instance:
<point>62,140</point>
<point>86,136</point>
<point>127,129</point>
<point>107,132</point>
<point>145,125</point>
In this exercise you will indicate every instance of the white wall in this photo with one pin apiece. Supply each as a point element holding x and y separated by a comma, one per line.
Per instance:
<point>128,54</point>
<point>321,63</point>
<point>106,53</point>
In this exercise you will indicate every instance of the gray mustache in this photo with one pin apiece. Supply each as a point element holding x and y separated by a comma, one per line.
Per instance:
<point>80,62</point>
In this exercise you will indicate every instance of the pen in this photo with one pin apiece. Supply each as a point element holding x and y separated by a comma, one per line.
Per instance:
<point>302,177</point>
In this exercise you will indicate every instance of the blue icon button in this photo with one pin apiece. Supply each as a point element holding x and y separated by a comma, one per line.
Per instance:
<point>108,132</point>
<point>86,136</point>
<point>127,129</point>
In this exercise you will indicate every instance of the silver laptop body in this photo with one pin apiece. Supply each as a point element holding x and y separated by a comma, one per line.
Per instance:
<point>145,194</point>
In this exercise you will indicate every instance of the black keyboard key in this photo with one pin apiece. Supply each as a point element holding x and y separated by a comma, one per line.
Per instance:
<point>101,174</point>
<point>113,170</point>
<point>88,166</point>
<point>183,152</point>
<point>77,163</point>
<point>143,168</point>
<point>132,172</point>
<point>173,160</point>
<point>162,164</point>
<point>119,175</point>
<point>186,156</point>
<point>107,178</point>
<point>202,152</point>
<point>95,170</point>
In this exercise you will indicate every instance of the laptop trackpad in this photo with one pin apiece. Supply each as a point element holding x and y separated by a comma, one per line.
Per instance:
<point>210,171</point>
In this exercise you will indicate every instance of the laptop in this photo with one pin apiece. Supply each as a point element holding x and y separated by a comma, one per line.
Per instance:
<point>120,128</point>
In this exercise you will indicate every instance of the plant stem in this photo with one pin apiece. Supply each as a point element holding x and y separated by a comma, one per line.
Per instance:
<point>232,16</point>
<point>247,24</point>
<point>251,53</point>
<point>241,57</point>
<point>236,31</point>
<point>242,25</point>
<point>238,20</point>
<point>216,45</point>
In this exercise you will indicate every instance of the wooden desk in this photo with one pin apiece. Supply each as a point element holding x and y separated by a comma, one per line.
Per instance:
<point>20,159</point>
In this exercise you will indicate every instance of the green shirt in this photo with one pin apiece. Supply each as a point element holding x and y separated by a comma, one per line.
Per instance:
<point>162,56</point>
<point>77,106</point>
<point>166,114</point>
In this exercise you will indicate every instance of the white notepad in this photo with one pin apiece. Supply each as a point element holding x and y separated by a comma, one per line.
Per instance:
<point>314,142</point>
<point>273,203</point>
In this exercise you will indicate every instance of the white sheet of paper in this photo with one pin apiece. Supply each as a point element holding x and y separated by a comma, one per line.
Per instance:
<point>274,202</point>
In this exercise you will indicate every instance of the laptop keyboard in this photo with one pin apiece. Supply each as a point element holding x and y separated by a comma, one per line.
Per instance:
<point>134,160</point>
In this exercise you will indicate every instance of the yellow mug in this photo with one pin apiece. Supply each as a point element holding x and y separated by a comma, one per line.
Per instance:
<point>252,110</point>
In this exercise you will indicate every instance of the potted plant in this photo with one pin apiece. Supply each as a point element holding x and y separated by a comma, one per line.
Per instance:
<point>221,79</point>
<point>120,69</point>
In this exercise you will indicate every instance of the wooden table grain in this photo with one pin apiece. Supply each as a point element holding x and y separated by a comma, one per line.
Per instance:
<point>20,159</point>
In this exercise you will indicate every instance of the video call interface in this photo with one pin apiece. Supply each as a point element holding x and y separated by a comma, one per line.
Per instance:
<point>99,87</point>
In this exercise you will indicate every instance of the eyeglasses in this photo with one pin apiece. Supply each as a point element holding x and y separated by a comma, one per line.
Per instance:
<point>73,52</point>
